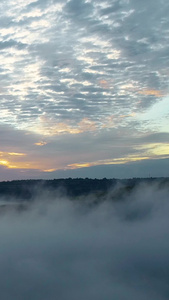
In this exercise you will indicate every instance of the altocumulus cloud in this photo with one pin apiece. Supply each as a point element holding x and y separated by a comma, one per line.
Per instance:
<point>62,249</point>
<point>69,60</point>
<point>82,71</point>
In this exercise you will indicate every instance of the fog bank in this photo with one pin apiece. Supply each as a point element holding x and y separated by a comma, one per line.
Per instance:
<point>55,248</point>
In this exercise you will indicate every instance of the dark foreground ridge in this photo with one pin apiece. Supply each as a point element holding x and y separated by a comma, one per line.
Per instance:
<point>26,189</point>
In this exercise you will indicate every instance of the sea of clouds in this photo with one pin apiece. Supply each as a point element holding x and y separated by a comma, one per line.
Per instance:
<point>57,248</point>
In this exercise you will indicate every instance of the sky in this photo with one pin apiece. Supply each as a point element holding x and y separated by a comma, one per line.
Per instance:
<point>84,88</point>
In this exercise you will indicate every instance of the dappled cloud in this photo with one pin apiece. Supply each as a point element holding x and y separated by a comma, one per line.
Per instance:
<point>82,82</point>
<point>48,127</point>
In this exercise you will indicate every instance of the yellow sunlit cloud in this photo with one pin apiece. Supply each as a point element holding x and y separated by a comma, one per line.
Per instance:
<point>48,127</point>
<point>7,164</point>
<point>4,162</point>
<point>79,165</point>
<point>13,160</point>
<point>41,143</point>
<point>20,165</point>
<point>152,151</point>
<point>60,128</point>
<point>161,150</point>
<point>16,154</point>
<point>155,93</point>
<point>9,154</point>
<point>144,152</point>
<point>155,150</point>
<point>127,116</point>
<point>115,161</point>
<point>50,170</point>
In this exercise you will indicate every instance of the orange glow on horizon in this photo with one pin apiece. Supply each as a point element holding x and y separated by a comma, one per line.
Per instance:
<point>14,160</point>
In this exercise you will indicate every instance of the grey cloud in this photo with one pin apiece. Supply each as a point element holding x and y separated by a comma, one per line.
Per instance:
<point>5,21</point>
<point>157,137</point>
<point>7,174</point>
<point>10,44</point>
<point>93,146</point>
<point>111,9</point>
<point>39,3</point>
<point>78,9</point>
<point>14,140</point>
<point>43,3</point>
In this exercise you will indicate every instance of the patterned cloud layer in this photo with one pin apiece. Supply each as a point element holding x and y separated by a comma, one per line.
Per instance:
<point>82,69</point>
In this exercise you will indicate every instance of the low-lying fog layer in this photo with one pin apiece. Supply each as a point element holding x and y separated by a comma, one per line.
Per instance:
<point>62,249</point>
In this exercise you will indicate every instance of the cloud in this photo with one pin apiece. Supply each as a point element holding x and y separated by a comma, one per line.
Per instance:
<point>23,153</point>
<point>142,168</point>
<point>58,248</point>
<point>107,42</point>
<point>75,67</point>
